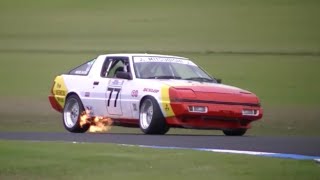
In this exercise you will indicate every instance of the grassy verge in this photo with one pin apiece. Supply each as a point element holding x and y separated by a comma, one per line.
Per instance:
<point>40,160</point>
<point>179,25</point>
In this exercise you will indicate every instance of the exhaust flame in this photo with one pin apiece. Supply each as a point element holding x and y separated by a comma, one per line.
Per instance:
<point>97,124</point>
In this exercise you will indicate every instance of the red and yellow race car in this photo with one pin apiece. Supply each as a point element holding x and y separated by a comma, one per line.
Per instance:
<point>153,92</point>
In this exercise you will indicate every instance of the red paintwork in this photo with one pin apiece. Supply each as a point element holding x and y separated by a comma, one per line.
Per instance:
<point>217,93</point>
<point>216,89</point>
<point>54,103</point>
<point>219,116</point>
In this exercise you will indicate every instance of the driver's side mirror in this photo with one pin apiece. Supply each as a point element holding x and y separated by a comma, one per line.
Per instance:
<point>219,81</point>
<point>123,75</point>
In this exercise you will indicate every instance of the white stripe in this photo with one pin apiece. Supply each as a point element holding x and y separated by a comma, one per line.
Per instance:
<point>254,153</point>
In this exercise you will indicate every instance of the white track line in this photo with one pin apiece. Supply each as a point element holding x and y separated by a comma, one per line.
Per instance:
<point>255,153</point>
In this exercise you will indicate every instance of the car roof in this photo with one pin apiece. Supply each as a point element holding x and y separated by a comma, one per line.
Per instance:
<point>143,55</point>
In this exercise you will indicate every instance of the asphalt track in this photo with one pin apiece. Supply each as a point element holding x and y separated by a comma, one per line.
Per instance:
<point>309,146</point>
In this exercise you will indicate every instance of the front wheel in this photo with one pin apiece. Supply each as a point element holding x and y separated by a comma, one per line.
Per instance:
<point>71,115</point>
<point>151,118</point>
<point>235,132</point>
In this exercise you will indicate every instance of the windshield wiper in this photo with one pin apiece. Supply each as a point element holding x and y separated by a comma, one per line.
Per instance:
<point>163,77</point>
<point>200,79</point>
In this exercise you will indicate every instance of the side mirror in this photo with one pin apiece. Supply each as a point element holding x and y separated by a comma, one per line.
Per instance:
<point>123,75</point>
<point>219,81</point>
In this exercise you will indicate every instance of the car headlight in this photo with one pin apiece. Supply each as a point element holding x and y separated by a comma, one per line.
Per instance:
<point>198,109</point>
<point>250,112</point>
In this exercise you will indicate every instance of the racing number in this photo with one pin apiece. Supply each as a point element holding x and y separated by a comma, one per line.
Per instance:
<point>110,95</point>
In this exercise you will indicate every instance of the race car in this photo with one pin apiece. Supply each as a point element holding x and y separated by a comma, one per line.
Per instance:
<point>154,92</point>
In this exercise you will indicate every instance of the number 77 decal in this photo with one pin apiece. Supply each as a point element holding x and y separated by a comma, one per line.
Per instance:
<point>110,95</point>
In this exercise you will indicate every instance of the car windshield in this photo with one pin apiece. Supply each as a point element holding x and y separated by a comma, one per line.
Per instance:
<point>169,68</point>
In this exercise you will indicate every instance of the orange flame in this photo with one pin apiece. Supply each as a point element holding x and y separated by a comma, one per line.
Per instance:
<point>97,124</point>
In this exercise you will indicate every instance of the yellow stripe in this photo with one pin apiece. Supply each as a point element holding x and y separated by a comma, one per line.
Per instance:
<point>165,101</point>
<point>60,90</point>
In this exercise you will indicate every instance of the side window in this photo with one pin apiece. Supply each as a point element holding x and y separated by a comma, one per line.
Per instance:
<point>114,64</point>
<point>106,66</point>
<point>83,69</point>
<point>117,66</point>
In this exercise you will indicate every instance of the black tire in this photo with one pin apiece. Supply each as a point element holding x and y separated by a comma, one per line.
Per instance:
<point>71,115</point>
<point>151,119</point>
<point>235,132</point>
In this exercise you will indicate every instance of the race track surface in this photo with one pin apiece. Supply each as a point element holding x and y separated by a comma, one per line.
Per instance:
<point>290,145</point>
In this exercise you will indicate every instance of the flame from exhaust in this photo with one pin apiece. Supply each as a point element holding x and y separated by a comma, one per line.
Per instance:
<point>97,124</point>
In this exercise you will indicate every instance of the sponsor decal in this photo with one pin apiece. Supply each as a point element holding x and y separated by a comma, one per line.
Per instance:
<point>167,107</point>
<point>117,92</point>
<point>150,90</point>
<point>165,101</point>
<point>90,110</point>
<point>134,107</point>
<point>60,99</point>
<point>60,92</point>
<point>116,82</point>
<point>81,72</point>
<point>134,93</point>
<point>163,59</point>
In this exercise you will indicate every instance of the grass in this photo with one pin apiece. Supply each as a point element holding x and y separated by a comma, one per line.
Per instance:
<point>60,160</point>
<point>179,25</point>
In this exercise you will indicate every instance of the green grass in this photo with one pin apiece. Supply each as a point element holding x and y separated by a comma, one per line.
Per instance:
<point>60,160</point>
<point>179,25</point>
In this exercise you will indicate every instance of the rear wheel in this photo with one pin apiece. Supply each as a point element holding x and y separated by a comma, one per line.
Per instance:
<point>71,115</point>
<point>235,132</point>
<point>151,118</point>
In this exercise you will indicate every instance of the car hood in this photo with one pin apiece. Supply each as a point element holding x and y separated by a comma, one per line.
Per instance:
<point>205,87</point>
<point>212,92</point>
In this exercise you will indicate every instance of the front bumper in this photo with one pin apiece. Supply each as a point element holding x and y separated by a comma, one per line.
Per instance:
<point>217,116</point>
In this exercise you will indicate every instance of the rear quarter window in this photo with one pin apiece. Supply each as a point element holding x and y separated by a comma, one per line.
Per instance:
<point>83,69</point>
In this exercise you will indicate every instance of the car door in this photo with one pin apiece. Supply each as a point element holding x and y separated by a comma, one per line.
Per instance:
<point>107,88</point>
<point>113,96</point>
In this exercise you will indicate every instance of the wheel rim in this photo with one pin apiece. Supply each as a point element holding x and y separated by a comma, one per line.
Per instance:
<point>146,114</point>
<point>71,113</point>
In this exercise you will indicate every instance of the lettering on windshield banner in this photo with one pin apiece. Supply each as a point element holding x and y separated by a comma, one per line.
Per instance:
<point>162,59</point>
